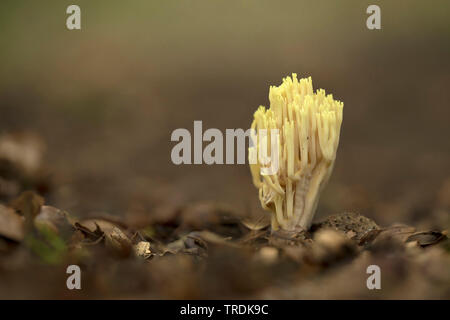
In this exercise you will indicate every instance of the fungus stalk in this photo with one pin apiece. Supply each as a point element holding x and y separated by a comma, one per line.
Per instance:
<point>308,124</point>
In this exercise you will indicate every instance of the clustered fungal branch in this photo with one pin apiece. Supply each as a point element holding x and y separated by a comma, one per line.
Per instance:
<point>309,124</point>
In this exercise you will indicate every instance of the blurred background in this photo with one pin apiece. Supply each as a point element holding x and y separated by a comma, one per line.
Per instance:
<point>105,99</point>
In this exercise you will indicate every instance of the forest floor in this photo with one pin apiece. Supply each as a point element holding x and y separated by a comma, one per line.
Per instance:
<point>201,250</point>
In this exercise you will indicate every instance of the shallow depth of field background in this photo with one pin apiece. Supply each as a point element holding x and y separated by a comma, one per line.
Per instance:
<point>107,98</point>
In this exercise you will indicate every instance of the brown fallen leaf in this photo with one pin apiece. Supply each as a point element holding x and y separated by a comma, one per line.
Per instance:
<point>398,232</point>
<point>93,224</point>
<point>106,218</point>
<point>255,237</point>
<point>214,238</point>
<point>55,219</point>
<point>368,237</point>
<point>11,224</point>
<point>118,242</point>
<point>257,223</point>
<point>115,239</point>
<point>173,247</point>
<point>427,238</point>
<point>282,238</point>
<point>196,243</point>
<point>94,236</point>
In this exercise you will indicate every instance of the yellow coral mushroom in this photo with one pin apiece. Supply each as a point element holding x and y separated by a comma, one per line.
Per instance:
<point>308,125</point>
